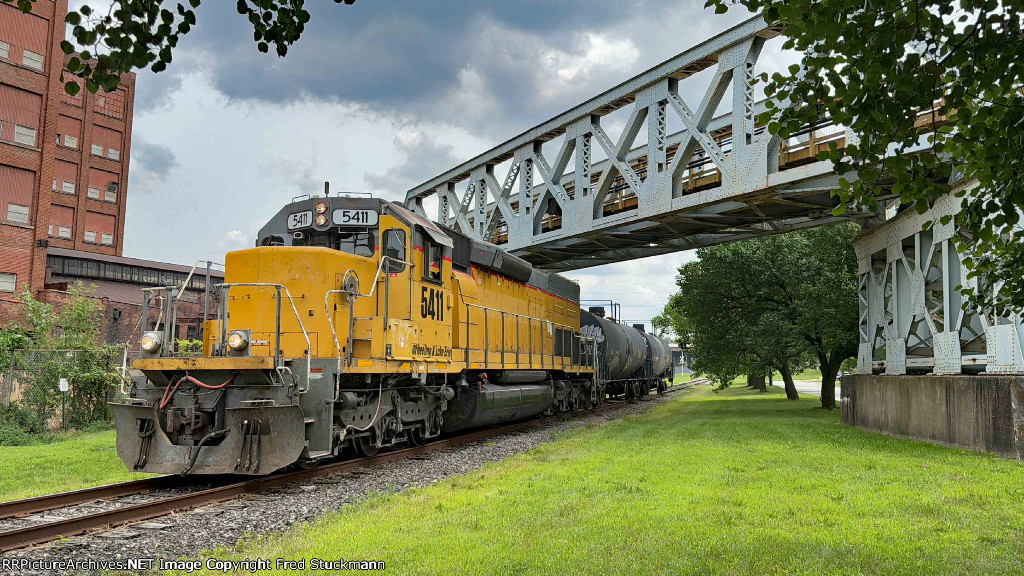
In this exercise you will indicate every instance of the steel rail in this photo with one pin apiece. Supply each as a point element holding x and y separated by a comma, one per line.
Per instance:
<point>15,508</point>
<point>30,535</point>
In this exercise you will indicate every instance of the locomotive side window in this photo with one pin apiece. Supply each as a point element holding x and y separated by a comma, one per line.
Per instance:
<point>394,247</point>
<point>273,240</point>
<point>361,243</point>
<point>432,260</point>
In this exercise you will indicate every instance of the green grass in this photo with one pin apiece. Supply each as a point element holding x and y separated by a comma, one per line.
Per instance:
<point>712,483</point>
<point>79,461</point>
<point>680,378</point>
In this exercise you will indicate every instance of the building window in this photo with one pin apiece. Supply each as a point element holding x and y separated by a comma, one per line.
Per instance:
<point>90,236</point>
<point>94,193</point>
<point>54,185</point>
<point>114,154</point>
<point>17,213</point>
<point>32,60</point>
<point>64,232</point>
<point>110,196</point>
<point>8,282</point>
<point>24,135</point>
<point>111,103</point>
<point>107,239</point>
<point>5,50</point>
<point>97,150</point>
<point>71,142</point>
<point>69,188</point>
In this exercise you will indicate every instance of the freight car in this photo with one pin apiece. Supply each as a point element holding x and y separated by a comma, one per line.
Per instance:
<point>355,324</point>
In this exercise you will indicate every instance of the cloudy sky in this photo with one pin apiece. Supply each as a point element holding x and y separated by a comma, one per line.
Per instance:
<point>378,97</point>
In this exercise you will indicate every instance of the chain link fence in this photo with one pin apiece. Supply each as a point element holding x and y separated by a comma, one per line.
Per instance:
<point>45,391</point>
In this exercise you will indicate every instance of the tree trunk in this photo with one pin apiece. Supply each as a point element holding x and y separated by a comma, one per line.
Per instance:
<point>756,381</point>
<point>829,370</point>
<point>787,377</point>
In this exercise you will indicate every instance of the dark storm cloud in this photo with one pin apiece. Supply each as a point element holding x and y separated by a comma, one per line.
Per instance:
<point>422,156</point>
<point>390,53</point>
<point>154,159</point>
<point>155,90</point>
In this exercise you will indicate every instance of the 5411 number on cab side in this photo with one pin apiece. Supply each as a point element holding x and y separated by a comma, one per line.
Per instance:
<point>432,304</point>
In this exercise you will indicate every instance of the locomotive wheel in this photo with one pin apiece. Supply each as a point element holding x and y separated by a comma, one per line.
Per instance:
<point>364,446</point>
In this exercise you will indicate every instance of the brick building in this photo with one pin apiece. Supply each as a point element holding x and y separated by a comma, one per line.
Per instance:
<point>63,175</point>
<point>63,159</point>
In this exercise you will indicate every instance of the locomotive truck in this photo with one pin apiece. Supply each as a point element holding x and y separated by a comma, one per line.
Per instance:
<point>355,324</point>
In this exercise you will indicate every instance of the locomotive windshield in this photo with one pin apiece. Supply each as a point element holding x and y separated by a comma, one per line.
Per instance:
<point>358,242</point>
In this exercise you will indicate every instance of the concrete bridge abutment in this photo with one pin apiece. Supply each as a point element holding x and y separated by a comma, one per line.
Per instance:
<point>983,412</point>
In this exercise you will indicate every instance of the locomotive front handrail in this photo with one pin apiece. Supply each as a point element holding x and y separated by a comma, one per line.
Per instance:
<point>226,287</point>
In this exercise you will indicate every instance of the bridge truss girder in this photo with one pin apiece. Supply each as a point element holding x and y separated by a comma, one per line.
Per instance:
<point>717,180</point>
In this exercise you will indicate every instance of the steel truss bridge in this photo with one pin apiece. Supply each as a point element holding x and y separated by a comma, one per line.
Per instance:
<point>719,179</point>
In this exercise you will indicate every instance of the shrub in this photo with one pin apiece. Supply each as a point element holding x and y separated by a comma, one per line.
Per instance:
<point>12,435</point>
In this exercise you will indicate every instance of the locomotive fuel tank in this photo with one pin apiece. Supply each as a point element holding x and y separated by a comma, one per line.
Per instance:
<point>485,404</point>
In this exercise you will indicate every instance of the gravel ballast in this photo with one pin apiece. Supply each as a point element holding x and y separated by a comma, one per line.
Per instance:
<point>188,534</point>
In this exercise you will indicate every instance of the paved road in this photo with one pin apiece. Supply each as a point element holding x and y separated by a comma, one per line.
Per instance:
<point>809,387</point>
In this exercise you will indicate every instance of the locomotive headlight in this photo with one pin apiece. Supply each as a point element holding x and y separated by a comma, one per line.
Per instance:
<point>321,219</point>
<point>238,341</point>
<point>321,207</point>
<point>151,342</point>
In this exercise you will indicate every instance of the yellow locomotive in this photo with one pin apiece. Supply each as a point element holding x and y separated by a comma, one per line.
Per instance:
<point>357,324</point>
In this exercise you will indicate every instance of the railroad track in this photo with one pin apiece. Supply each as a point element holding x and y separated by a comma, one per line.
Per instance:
<point>38,534</point>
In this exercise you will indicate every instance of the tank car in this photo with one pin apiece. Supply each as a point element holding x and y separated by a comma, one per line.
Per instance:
<point>630,363</point>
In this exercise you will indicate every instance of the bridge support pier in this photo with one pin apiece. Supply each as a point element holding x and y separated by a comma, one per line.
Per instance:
<point>983,412</point>
<point>928,367</point>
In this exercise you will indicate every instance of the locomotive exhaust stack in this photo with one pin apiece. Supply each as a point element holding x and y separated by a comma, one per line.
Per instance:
<point>356,325</point>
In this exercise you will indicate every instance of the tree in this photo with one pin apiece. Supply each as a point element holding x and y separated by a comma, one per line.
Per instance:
<point>672,320</point>
<point>897,72</point>
<point>774,303</point>
<point>733,332</point>
<point>136,34</point>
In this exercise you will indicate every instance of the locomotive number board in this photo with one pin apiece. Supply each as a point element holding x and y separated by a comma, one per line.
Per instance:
<point>300,220</point>
<point>345,217</point>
